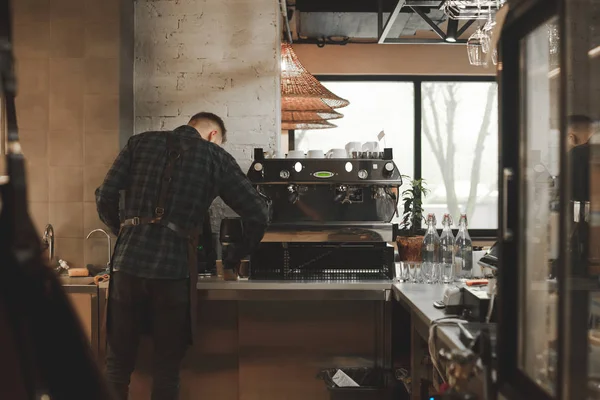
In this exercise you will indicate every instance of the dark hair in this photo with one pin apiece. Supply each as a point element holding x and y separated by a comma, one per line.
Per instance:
<point>579,122</point>
<point>214,118</point>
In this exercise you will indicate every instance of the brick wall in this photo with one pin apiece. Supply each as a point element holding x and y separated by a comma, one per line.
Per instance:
<point>220,56</point>
<point>67,65</point>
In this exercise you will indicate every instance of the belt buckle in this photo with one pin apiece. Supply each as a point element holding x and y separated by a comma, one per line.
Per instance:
<point>135,221</point>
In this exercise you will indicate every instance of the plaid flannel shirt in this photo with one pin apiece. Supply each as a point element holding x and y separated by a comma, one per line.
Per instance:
<point>203,172</point>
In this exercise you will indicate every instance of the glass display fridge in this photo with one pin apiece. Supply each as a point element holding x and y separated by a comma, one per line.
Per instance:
<point>549,292</point>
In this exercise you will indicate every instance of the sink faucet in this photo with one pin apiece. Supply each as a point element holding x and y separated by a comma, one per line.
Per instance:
<point>109,243</point>
<point>48,239</point>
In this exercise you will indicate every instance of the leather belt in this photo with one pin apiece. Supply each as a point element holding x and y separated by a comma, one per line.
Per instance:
<point>135,221</point>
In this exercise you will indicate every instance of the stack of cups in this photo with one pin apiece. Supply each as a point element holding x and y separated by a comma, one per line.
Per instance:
<point>370,150</point>
<point>337,153</point>
<point>354,149</point>
<point>316,154</point>
<point>296,154</point>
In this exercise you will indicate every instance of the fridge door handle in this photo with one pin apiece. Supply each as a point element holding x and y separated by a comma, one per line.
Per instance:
<point>507,175</point>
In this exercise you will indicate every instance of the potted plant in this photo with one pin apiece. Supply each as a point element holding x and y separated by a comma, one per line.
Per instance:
<point>410,238</point>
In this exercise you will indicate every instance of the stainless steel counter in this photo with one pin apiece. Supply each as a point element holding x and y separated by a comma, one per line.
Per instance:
<point>215,289</point>
<point>277,325</point>
<point>419,298</point>
<point>79,284</point>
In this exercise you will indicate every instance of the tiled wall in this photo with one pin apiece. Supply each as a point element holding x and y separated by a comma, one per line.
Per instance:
<point>67,55</point>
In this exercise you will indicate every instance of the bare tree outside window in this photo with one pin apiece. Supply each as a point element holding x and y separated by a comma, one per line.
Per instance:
<point>459,157</point>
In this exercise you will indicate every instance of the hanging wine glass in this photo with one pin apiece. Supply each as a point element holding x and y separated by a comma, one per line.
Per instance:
<point>553,38</point>
<point>476,44</point>
<point>487,29</point>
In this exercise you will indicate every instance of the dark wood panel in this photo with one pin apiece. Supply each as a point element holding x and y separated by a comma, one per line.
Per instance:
<point>268,350</point>
<point>284,345</point>
<point>210,368</point>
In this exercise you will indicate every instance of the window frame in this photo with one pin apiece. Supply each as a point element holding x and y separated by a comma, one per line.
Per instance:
<point>417,81</point>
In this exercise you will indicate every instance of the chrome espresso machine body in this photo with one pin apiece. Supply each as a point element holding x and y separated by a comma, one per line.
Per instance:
<point>330,218</point>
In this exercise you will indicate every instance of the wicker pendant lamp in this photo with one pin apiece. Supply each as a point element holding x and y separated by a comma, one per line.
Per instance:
<point>306,125</point>
<point>309,115</point>
<point>300,91</point>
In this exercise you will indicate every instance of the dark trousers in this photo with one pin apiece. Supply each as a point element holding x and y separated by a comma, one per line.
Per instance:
<point>159,306</point>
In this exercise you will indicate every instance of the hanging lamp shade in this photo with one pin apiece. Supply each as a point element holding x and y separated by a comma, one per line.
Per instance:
<point>309,115</point>
<point>306,125</point>
<point>300,91</point>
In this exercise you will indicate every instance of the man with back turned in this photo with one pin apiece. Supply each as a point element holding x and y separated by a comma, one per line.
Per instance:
<point>170,179</point>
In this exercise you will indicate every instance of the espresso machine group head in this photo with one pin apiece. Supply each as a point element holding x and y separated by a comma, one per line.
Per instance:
<point>330,218</point>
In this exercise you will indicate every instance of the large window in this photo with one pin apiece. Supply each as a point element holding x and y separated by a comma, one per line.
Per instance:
<point>459,152</point>
<point>442,130</point>
<point>374,107</point>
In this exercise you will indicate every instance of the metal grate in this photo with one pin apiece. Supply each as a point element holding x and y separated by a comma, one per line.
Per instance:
<point>322,262</point>
<point>472,9</point>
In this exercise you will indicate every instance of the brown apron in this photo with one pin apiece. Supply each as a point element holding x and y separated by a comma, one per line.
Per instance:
<point>191,236</point>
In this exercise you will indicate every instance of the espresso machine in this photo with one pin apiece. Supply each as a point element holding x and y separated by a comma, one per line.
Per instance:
<point>330,217</point>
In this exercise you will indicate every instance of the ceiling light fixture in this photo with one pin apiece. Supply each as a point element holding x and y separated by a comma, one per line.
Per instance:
<point>451,31</point>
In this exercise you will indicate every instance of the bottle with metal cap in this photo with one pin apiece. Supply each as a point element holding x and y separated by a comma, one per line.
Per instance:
<point>463,251</point>
<point>447,249</point>
<point>430,250</point>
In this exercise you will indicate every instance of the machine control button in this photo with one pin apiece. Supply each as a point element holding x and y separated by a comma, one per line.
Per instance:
<point>389,167</point>
<point>298,166</point>
<point>284,174</point>
<point>363,174</point>
<point>258,167</point>
<point>348,166</point>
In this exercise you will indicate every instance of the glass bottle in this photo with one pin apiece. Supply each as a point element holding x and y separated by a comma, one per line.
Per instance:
<point>447,250</point>
<point>430,250</point>
<point>463,251</point>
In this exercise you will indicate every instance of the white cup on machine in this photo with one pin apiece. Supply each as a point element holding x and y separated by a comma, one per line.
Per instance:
<point>371,147</point>
<point>337,153</point>
<point>316,154</point>
<point>353,147</point>
<point>296,154</point>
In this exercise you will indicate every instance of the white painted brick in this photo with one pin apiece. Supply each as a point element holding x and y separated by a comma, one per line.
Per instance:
<point>198,23</point>
<point>159,108</point>
<point>245,124</point>
<point>210,55</point>
<point>160,24</point>
<point>264,53</point>
<point>209,51</point>
<point>251,138</point>
<point>205,82</point>
<point>246,109</point>
<point>148,49</point>
<point>192,107</point>
<point>170,8</point>
<point>179,65</point>
<point>269,126</point>
<point>162,81</point>
<point>145,124</point>
<point>170,123</point>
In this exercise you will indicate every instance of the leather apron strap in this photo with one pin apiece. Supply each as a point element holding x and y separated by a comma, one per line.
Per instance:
<point>193,283</point>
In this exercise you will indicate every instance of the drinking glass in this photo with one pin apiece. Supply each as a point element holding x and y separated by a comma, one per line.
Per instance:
<point>427,272</point>
<point>436,275</point>
<point>414,269</point>
<point>404,272</point>
<point>447,272</point>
